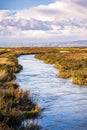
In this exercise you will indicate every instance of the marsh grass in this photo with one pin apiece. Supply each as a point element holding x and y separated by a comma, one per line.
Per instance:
<point>72,64</point>
<point>17,104</point>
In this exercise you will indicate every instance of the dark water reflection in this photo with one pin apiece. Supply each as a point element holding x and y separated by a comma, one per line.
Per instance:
<point>65,104</point>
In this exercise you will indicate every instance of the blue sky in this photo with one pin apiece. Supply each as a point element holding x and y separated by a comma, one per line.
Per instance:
<point>21,4</point>
<point>47,20</point>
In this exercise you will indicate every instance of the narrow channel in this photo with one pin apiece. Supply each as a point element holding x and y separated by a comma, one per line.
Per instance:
<point>64,104</point>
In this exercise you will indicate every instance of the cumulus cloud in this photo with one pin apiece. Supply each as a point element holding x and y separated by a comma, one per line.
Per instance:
<point>24,24</point>
<point>60,18</point>
<point>3,13</point>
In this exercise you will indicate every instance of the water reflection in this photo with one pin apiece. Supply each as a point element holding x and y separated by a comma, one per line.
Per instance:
<point>31,124</point>
<point>64,104</point>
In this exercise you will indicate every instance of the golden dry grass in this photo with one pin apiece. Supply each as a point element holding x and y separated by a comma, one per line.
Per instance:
<point>71,62</point>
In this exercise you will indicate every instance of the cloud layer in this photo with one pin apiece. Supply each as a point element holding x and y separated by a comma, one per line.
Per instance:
<point>62,18</point>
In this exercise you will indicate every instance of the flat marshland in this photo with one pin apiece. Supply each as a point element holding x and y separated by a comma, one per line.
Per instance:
<point>71,62</point>
<point>15,104</point>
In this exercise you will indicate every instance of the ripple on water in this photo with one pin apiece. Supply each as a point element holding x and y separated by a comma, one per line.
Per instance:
<point>65,104</point>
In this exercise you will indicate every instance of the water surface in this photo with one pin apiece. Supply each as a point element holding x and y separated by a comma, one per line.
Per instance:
<point>65,104</point>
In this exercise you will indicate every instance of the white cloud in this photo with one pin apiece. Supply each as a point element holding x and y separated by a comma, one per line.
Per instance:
<point>58,19</point>
<point>3,14</point>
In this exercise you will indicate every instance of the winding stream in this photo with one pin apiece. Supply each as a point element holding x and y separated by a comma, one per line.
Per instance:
<point>65,104</point>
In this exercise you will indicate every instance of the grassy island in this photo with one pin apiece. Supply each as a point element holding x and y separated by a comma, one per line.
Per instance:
<point>15,104</point>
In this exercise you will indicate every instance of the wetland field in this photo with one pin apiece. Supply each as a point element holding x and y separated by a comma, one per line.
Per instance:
<point>16,103</point>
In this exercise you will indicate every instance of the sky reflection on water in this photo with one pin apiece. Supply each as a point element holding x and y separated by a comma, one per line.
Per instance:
<point>65,104</point>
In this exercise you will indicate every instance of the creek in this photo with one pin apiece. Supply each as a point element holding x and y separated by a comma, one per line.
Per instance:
<point>64,104</point>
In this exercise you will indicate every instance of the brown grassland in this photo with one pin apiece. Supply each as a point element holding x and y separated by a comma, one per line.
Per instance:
<point>15,104</point>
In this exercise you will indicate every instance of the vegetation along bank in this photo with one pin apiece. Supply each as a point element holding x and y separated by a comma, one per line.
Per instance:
<point>15,104</point>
